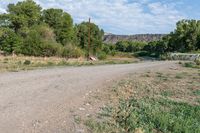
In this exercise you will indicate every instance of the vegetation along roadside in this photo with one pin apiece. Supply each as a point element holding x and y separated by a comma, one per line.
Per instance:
<point>150,102</point>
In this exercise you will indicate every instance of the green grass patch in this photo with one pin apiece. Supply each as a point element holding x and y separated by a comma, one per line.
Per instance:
<point>166,93</point>
<point>191,65</point>
<point>151,115</point>
<point>197,92</point>
<point>179,76</point>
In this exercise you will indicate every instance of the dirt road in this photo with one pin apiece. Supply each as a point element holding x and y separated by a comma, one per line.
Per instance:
<point>41,100</point>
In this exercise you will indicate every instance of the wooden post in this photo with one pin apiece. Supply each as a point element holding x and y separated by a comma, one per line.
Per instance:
<point>89,39</point>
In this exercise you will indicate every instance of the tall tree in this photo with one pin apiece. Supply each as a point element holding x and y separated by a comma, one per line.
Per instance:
<point>10,42</point>
<point>4,20</point>
<point>62,24</point>
<point>24,14</point>
<point>185,36</point>
<point>96,36</point>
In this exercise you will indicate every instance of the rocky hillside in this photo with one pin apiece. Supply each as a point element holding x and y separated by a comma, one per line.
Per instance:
<point>111,38</point>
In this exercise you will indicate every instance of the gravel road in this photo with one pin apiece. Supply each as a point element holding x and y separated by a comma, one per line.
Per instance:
<point>40,100</point>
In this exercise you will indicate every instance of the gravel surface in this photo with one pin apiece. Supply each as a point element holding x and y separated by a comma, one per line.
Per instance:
<point>42,100</point>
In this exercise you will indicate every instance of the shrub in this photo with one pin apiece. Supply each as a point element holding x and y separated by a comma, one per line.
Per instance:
<point>106,49</point>
<point>51,49</point>
<point>189,64</point>
<point>164,56</point>
<point>113,52</point>
<point>71,51</point>
<point>40,41</point>
<point>102,55</point>
<point>27,62</point>
<point>197,61</point>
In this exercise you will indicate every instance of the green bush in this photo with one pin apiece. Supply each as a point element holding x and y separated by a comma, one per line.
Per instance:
<point>51,49</point>
<point>40,41</point>
<point>197,61</point>
<point>113,53</point>
<point>189,64</point>
<point>106,49</point>
<point>164,56</point>
<point>102,55</point>
<point>27,62</point>
<point>71,51</point>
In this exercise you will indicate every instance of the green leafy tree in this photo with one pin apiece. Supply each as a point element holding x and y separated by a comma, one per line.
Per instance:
<point>4,20</point>
<point>24,14</point>
<point>161,47</point>
<point>62,24</point>
<point>96,36</point>
<point>185,37</point>
<point>135,46</point>
<point>121,46</point>
<point>130,46</point>
<point>106,48</point>
<point>150,47</point>
<point>10,42</point>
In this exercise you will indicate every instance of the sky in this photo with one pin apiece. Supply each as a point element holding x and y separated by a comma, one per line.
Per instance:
<point>125,17</point>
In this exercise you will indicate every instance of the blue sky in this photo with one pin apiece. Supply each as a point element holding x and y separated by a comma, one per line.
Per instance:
<point>125,16</point>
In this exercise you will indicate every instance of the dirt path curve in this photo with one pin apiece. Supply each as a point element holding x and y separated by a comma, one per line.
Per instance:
<point>40,100</point>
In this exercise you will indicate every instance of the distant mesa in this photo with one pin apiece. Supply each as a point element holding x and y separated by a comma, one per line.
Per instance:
<point>108,34</point>
<point>112,38</point>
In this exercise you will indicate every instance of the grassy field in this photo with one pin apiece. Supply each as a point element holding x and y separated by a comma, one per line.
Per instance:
<point>17,63</point>
<point>151,102</point>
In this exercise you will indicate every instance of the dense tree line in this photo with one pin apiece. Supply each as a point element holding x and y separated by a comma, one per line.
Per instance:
<point>185,38</point>
<point>29,30</point>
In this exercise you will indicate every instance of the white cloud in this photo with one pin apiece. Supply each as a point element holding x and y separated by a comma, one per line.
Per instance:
<point>121,16</point>
<point>2,10</point>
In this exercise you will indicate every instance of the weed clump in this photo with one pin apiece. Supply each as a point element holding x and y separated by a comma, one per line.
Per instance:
<point>27,62</point>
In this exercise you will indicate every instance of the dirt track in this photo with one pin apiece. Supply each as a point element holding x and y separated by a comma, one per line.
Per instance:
<point>41,100</point>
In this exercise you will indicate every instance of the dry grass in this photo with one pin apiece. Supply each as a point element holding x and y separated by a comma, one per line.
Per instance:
<point>17,63</point>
